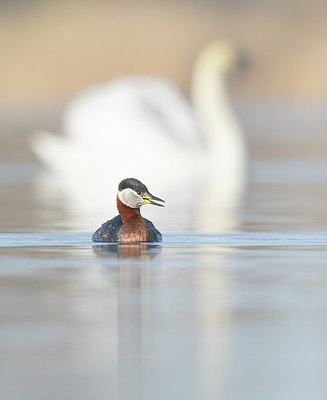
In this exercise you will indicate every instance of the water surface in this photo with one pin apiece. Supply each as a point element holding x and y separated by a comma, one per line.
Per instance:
<point>198,316</point>
<point>235,314</point>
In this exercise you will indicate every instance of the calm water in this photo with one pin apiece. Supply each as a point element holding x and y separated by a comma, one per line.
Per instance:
<point>230,315</point>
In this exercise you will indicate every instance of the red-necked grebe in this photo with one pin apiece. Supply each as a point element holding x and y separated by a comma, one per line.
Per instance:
<point>130,226</point>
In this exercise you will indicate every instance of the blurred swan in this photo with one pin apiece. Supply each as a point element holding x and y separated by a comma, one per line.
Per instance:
<point>145,127</point>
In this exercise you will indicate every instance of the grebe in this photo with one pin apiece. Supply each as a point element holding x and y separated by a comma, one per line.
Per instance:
<point>130,226</point>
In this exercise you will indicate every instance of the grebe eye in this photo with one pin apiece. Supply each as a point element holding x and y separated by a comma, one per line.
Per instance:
<point>139,193</point>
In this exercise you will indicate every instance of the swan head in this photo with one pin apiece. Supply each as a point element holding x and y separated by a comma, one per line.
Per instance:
<point>133,193</point>
<point>219,55</point>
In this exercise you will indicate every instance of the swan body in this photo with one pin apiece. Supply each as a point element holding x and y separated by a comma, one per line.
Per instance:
<point>143,116</point>
<point>147,127</point>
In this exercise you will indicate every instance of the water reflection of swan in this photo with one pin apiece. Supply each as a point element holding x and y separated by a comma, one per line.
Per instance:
<point>145,127</point>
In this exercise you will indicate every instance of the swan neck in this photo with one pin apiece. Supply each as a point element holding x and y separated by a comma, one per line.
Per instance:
<point>212,103</point>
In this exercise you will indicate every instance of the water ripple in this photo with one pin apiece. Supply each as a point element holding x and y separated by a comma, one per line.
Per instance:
<point>190,239</point>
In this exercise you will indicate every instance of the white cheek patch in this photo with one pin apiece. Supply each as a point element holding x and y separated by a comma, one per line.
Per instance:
<point>130,198</point>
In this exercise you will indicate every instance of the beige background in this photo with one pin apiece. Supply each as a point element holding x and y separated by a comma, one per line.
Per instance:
<point>52,49</point>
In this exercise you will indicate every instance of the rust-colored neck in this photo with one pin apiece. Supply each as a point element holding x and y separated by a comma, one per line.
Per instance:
<point>135,228</point>
<point>127,213</point>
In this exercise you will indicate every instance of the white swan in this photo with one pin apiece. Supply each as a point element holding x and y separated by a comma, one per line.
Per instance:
<point>193,154</point>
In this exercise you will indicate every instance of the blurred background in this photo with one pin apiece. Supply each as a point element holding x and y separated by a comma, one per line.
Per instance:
<point>50,50</point>
<point>53,50</point>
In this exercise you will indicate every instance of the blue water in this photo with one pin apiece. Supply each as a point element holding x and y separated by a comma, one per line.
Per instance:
<point>213,241</point>
<point>198,316</point>
<point>229,315</point>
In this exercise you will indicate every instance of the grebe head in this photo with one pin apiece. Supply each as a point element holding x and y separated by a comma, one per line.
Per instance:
<point>133,193</point>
